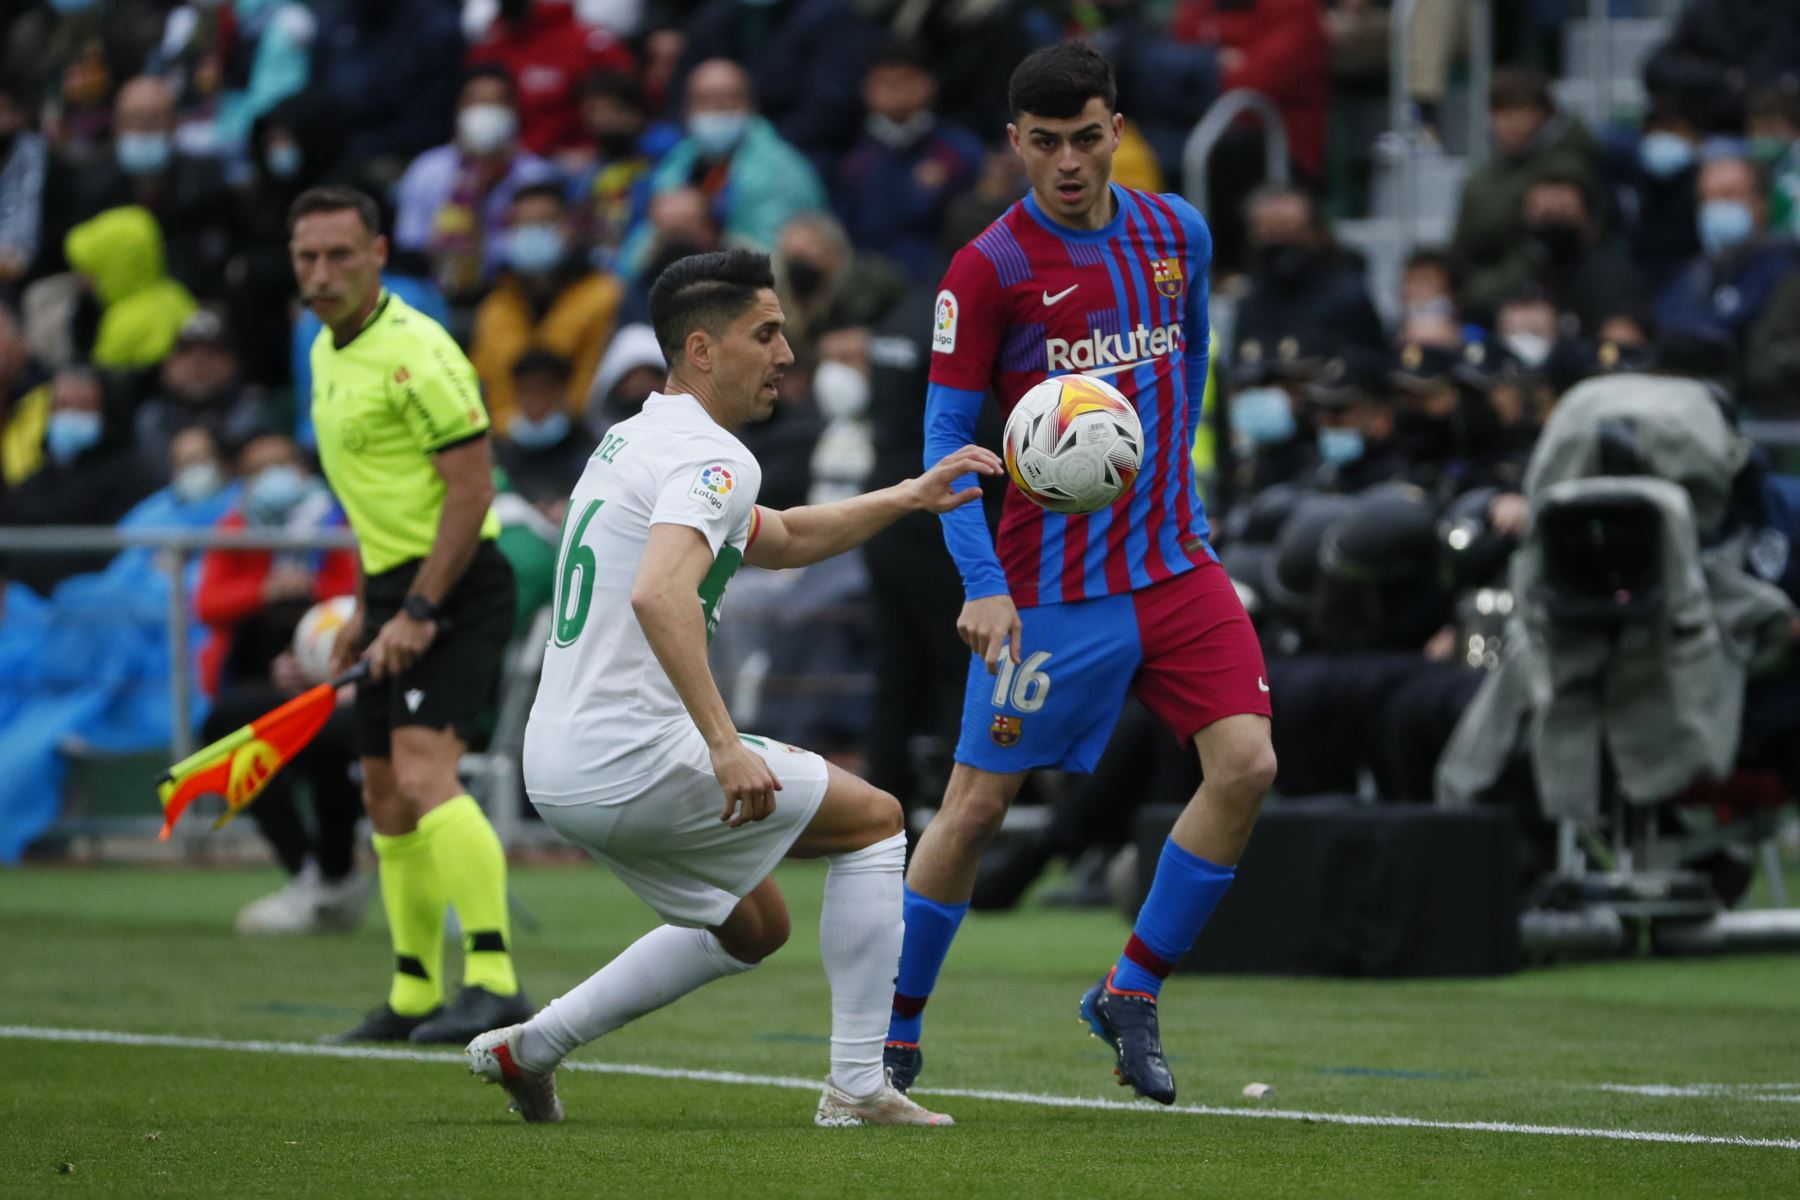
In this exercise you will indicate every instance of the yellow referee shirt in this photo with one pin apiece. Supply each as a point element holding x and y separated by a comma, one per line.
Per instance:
<point>401,391</point>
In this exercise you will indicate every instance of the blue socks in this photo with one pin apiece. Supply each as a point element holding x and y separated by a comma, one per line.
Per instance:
<point>930,928</point>
<point>1183,894</point>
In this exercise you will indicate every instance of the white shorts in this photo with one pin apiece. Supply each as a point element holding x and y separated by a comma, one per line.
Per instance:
<point>668,844</point>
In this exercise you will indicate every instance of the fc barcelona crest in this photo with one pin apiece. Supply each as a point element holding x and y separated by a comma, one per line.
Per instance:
<point>1169,279</point>
<point>1005,730</point>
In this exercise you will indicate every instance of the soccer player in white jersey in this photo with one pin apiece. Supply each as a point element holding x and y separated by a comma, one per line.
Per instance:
<point>630,752</point>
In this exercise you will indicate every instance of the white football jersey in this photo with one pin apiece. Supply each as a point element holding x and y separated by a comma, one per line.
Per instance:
<point>606,714</point>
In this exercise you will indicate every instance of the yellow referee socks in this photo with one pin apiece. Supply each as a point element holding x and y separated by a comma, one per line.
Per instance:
<point>472,866</point>
<point>414,899</point>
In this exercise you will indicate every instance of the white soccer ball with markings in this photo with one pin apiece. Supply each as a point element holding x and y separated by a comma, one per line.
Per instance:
<point>1073,444</point>
<point>317,634</point>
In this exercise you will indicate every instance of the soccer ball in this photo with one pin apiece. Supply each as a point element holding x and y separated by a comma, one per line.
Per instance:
<point>318,632</point>
<point>1073,444</point>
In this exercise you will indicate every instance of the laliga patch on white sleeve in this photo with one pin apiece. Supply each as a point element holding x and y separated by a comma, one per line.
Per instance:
<point>712,487</point>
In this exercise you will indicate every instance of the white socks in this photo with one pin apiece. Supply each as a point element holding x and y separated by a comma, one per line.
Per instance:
<point>660,967</point>
<point>860,930</point>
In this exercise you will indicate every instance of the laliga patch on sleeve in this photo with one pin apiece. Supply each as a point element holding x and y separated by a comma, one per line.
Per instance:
<point>712,487</point>
<point>943,323</point>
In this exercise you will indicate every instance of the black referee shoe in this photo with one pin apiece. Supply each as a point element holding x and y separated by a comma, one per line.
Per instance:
<point>475,1010</point>
<point>381,1024</point>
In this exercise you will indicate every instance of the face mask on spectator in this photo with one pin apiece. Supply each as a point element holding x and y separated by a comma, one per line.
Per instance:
<point>142,153</point>
<point>534,249</point>
<point>1561,239</point>
<point>840,390</point>
<point>1665,154</point>
<point>616,143</point>
<point>485,128</point>
<point>717,134</point>
<point>804,277</point>
<point>1340,446</point>
<point>272,495</point>
<point>1725,224</point>
<point>540,434</point>
<point>1282,260</point>
<point>1262,415</point>
<point>283,160</point>
<point>898,135</point>
<point>69,433</point>
<point>1531,349</point>
<point>195,483</point>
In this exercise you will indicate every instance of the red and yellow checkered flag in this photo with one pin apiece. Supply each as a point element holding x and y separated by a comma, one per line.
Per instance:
<point>239,765</point>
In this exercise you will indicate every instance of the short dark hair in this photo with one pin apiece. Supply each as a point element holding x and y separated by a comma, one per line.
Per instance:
<point>1437,258</point>
<point>1315,210</point>
<point>1058,81</point>
<point>490,71</point>
<point>1520,87</point>
<point>539,361</point>
<point>547,188</point>
<point>335,197</point>
<point>705,291</point>
<point>615,85</point>
<point>900,52</point>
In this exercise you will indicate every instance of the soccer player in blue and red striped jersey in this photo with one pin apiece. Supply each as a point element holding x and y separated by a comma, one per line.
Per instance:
<point>1084,275</point>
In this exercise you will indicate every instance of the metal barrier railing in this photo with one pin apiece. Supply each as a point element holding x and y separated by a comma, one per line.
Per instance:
<point>173,546</point>
<point>1196,152</point>
<point>1400,115</point>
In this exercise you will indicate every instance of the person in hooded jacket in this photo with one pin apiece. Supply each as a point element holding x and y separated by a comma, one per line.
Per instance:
<point>120,255</point>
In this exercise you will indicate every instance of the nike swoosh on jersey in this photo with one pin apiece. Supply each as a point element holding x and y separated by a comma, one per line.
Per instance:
<point>1049,299</point>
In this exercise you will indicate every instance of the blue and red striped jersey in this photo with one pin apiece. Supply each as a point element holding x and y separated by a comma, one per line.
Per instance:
<point>1030,298</point>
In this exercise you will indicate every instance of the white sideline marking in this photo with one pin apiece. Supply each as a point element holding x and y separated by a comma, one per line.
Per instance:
<point>38,1033</point>
<point>1780,1093</point>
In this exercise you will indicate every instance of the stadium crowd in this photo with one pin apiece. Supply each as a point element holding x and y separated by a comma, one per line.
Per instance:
<point>540,161</point>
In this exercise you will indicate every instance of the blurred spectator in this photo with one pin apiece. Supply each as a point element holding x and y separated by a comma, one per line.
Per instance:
<point>452,203</point>
<point>201,388</point>
<point>1531,139</point>
<point>73,53</point>
<point>907,166</point>
<point>120,255</point>
<point>547,298</point>
<point>542,450</point>
<point>1430,313</point>
<point>753,179</point>
<point>1719,51</point>
<point>234,62</point>
<point>24,403</point>
<point>24,176</point>
<point>1773,127</point>
<point>632,368</point>
<point>845,453</point>
<point>199,489</point>
<point>804,60</point>
<point>186,193</point>
<point>1447,423</point>
<point>1561,252</point>
<point>1278,48</point>
<point>547,51</point>
<point>680,223</point>
<point>1301,283</point>
<point>1655,196</point>
<point>1001,184</point>
<point>1727,288</point>
<point>611,180</point>
<point>1352,407</point>
<point>392,66</point>
<point>1772,359</point>
<point>1526,325</point>
<point>1271,423</point>
<point>825,285</point>
<point>91,476</point>
<point>252,600</point>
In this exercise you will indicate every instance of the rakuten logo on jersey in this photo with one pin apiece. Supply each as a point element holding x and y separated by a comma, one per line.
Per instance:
<point>1110,353</point>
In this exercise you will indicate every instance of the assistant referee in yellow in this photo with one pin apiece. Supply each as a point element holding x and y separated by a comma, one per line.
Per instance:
<point>403,439</point>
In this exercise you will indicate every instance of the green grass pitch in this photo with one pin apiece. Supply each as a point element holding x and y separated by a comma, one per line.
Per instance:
<point>150,951</point>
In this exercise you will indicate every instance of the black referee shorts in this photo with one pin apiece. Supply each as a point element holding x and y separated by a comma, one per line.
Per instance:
<point>455,680</point>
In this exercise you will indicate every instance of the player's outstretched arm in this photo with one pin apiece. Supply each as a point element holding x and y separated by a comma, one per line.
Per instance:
<point>665,597</point>
<point>796,537</point>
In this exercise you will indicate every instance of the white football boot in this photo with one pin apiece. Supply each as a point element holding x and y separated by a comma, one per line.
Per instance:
<point>494,1056</point>
<point>292,910</point>
<point>838,1109</point>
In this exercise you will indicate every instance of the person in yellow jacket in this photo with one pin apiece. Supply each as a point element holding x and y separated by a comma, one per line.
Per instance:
<point>120,253</point>
<point>547,299</point>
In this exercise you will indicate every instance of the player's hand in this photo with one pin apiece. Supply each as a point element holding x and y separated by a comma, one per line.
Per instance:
<point>991,628</point>
<point>400,644</point>
<point>349,640</point>
<point>935,490</point>
<point>748,783</point>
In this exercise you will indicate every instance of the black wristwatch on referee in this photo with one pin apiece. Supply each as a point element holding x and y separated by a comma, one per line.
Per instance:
<point>419,608</point>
